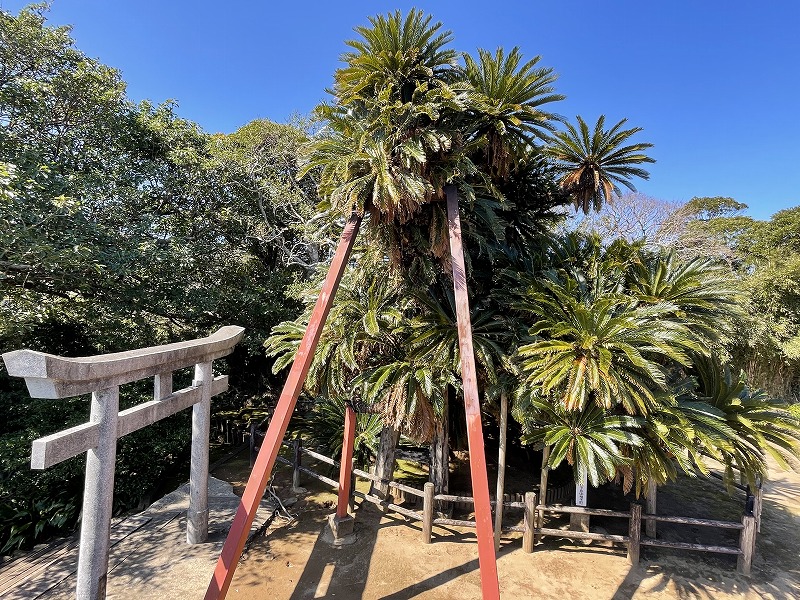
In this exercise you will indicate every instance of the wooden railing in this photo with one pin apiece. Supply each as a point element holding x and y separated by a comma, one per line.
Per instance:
<point>532,528</point>
<point>56,377</point>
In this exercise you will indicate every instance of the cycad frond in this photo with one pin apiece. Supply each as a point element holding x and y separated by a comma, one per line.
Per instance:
<point>594,163</point>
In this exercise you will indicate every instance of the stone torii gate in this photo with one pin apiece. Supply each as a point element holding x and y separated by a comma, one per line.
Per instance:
<point>262,469</point>
<point>56,377</point>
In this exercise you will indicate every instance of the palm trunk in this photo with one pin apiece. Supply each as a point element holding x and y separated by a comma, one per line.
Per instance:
<point>542,488</point>
<point>385,460</point>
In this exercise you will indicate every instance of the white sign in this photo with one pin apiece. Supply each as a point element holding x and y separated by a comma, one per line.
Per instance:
<point>580,490</point>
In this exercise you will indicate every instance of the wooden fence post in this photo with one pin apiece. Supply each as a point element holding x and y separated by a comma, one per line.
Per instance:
<point>542,489</point>
<point>197,515</point>
<point>252,443</point>
<point>529,521</point>
<point>758,502</point>
<point>747,545</point>
<point>652,494</point>
<point>634,533</point>
<point>427,512</point>
<point>297,461</point>
<point>501,471</point>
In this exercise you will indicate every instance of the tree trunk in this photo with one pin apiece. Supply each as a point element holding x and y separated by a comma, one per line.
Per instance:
<point>543,487</point>
<point>440,453</point>
<point>385,462</point>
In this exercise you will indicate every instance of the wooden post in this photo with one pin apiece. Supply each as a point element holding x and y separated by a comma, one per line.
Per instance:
<point>542,489</point>
<point>487,560</point>
<point>297,461</point>
<point>758,503</point>
<point>427,512</point>
<point>259,477</point>
<point>747,545</point>
<point>341,522</point>
<point>650,524</point>
<point>346,464</point>
<point>529,522</point>
<point>197,515</point>
<point>501,470</point>
<point>634,534</point>
<point>98,498</point>
<point>252,443</point>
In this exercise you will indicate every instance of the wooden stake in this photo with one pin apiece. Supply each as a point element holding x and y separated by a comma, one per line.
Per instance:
<point>747,545</point>
<point>529,521</point>
<point>297,462</point>
<point>490,588</point>
<point>652,494</point>
<point>542,488</point>
<point>634,534</point>
<point>346,464</point>
<point>259,477</point>
<point>501,470</point>
<point>427,512</point>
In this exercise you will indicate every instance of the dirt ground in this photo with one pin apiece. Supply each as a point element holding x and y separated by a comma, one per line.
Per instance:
<point>388,560</point>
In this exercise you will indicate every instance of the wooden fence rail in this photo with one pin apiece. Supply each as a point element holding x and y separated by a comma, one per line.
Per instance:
<point>531,532</point>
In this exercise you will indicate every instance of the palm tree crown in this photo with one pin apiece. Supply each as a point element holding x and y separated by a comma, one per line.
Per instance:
<point>593,163</point>
<point>505,99</point>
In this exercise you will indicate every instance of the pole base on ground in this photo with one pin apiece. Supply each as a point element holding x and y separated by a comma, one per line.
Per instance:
<point>341,527</point>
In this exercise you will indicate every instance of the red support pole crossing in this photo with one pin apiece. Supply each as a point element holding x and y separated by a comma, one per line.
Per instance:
<point>259,477</point>
<point>346,466</point>
<point>490,587</point>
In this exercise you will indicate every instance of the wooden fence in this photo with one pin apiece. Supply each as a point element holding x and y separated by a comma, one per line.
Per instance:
<point>533,527</point>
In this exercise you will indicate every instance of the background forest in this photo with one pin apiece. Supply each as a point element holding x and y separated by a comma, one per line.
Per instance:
<point>123,225</point>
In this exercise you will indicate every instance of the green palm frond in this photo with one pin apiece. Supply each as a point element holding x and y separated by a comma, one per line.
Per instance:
<point>393,56</point>
<point>702,291</point>
<point>760,426</point>
<point>592,440</point>
<point>322,428</point>
<point>593,163</point>
<point>505,100</point>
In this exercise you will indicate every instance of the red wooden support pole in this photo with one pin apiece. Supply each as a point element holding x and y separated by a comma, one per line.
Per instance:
<point>487,560</point>
<point>259,477</point>
<point>346,466</point>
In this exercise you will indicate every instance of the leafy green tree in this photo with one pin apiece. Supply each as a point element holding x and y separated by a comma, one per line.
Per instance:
<point>505,96</point>
<point>122,226</point>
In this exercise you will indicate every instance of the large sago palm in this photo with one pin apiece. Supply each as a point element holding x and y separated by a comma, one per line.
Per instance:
<point>505,99</point>
<point>595,162</point>
<point>405,122</point>
<point>616,333</point>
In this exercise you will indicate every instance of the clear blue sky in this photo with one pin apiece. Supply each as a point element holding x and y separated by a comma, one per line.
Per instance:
<point>715,84</point>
